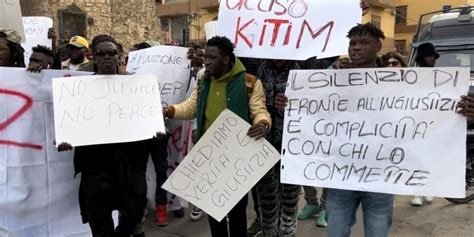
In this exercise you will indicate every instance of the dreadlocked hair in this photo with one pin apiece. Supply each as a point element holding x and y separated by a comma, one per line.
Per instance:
<point>44,50</point>
<point>226,48</point>
<point>103,38</point>
<point>366,29</point>
<point>16,51</point>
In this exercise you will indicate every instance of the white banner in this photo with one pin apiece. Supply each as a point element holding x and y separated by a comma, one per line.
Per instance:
<point>170,64</point>
<point>38,192</point>
<point>294,30</point>
<point>10,16</point>
<point>121,108</point>
<point>377,130</point>
<point>222,167</point>
<point>36,33</point>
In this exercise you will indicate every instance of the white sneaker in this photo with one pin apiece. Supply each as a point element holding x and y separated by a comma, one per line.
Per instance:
<point>417,201</point>
<point>428,199</point>
<point>196,214</point>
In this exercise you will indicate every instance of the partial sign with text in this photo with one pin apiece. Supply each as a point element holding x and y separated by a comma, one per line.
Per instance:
<point>36,33</point>
<point>11,17</point>
<point>106,109</point>
<point>171,66</point>
<point>296,29</point>
<point>37,185</point>
<point>378,130</point>
<point>222,167</point>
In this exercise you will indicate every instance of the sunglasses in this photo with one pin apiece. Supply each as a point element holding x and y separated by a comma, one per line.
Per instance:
<point>112,53</point>
<point>393,63</point>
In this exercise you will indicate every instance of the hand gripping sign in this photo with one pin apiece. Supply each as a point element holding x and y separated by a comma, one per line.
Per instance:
<point>222,167</point>
<point>378,130</point>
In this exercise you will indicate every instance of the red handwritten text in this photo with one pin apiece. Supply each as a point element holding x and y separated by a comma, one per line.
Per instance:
<point>294,9</point>
<point>16,116</point>
<point>278,25</point>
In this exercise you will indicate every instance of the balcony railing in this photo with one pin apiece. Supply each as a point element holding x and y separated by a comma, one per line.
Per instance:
<point>383,3</point>
<point>182,7</point>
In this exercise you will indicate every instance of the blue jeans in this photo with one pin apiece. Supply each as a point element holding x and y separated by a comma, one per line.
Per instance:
<point>341,208</point>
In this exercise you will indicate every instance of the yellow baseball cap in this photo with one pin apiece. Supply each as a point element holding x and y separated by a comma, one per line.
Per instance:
<point>79,41</point>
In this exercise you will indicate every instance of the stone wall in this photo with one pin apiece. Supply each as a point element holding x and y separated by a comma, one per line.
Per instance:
<point>129,21</point>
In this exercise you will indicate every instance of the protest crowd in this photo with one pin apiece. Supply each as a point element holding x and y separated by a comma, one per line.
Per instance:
<point>113,177</point>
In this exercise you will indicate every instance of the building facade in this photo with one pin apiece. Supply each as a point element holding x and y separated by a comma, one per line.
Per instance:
<point>182,21</point>
<point>408,13</point>
<point>381,13</point>
<point>129,22</point>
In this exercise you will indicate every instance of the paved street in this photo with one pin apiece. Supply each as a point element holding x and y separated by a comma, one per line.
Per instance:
<point>439,219</point>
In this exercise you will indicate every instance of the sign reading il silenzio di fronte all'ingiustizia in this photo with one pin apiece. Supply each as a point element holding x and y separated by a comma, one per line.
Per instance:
<point>378,130</point>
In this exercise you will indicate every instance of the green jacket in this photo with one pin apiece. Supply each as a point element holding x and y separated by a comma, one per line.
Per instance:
<point>211,96</point>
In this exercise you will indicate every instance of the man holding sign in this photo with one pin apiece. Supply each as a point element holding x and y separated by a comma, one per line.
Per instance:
<point>225,84</point>
<point>348,192</point>
<point>365,43</point>
<point>112,175</point>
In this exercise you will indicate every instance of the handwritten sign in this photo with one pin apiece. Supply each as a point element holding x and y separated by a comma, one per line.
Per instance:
<point>119,108</point>
<point>37,187</point>
<point>222,167</point>
<point>172,68</point>
<point>295,30</point>
<point>170,64</point>
<point>10,16</point>
<point>210,29</point>
<point>36,33</point>
<point>377,130</point>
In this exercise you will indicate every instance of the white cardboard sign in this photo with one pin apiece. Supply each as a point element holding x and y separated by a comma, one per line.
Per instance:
<point>222,167</point>
<point>10,16</point>
<point>378,130</point>
<point>36,33</point>
<point>106,109</point>
<point>295,30</point>
<point>37,185</point>
<point>169,64</point>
